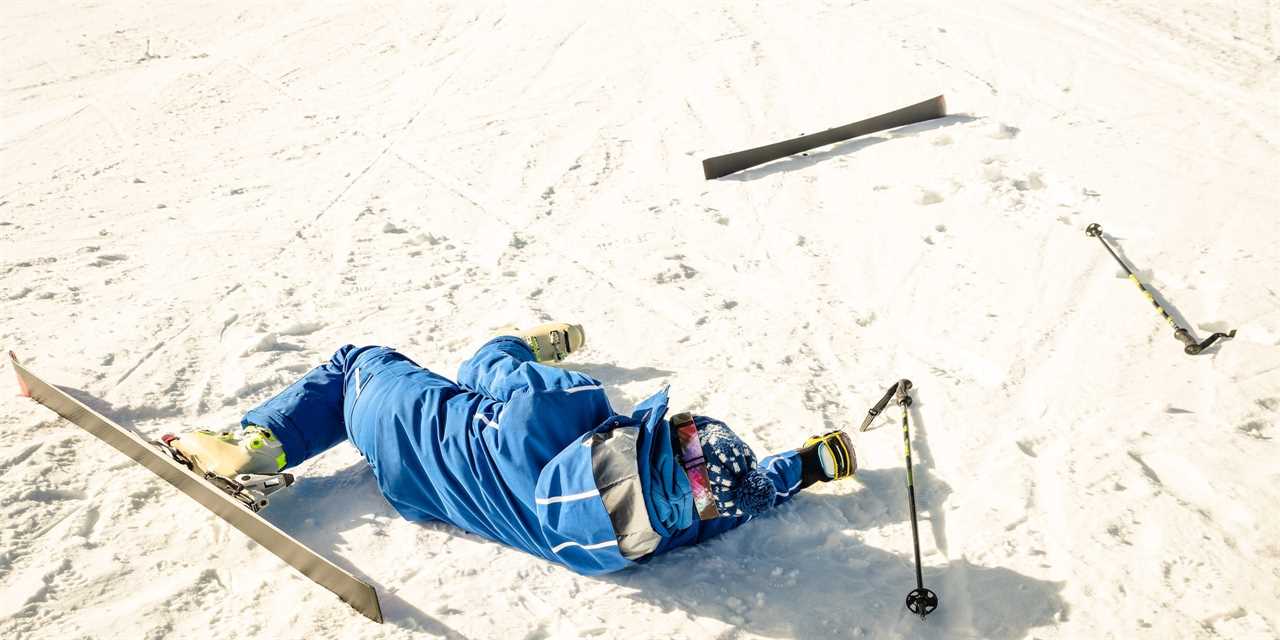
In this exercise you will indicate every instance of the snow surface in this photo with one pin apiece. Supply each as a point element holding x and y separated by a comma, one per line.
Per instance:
<point>200,202</point>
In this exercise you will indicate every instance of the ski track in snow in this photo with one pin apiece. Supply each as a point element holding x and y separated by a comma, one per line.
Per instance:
<point>200,204</point>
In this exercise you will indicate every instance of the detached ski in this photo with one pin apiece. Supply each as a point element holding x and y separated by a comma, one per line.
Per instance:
<point>240,515</point>
<point>724,165</point>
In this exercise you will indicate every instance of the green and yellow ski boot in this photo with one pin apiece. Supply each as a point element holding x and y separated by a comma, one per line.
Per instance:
<point>554,341</point>
<point>252,450</point>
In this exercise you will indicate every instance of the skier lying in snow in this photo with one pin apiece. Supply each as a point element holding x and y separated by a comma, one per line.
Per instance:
<point>524,453</point>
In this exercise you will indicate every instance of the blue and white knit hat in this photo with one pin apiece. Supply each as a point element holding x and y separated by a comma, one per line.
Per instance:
<point>739,487</point>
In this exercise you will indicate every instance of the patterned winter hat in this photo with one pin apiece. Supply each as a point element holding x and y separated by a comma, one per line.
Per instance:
<point>740,489</point>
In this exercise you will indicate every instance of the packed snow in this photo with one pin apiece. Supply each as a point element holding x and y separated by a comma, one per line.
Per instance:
<point>201,201</point>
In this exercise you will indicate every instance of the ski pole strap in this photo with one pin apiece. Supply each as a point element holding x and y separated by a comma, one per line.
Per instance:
<point>695,465</point>
<point>896,392</point>
<point>879,406</point>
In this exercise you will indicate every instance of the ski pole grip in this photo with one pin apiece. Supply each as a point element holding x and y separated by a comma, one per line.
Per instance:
<point>1193,349</point>
<point>900,392</point>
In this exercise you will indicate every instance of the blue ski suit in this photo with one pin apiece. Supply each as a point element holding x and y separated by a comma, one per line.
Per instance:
<point>518,452</point>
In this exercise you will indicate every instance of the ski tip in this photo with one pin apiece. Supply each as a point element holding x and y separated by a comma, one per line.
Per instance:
<point>942,104</point>
<point>367,604</point>
<point>23,390</point>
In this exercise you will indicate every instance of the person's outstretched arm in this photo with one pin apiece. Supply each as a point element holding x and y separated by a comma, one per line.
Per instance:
<point>785,471</point>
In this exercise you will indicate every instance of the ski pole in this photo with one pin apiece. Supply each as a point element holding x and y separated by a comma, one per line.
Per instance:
<point>1183,335</point>
<point>920,600</point>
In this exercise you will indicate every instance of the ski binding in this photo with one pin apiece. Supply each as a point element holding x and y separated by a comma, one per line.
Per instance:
<point>249,489</point>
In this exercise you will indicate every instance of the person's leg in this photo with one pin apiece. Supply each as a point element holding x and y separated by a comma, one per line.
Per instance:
<point>307,416</point>
<point>491,371</point>
<point>300,422</point>
<point>506,364</point>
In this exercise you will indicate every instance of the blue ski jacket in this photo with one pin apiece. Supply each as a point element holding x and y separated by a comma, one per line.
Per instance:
<point>522,453</point>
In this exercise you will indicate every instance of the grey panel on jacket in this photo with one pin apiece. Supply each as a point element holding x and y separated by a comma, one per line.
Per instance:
<point>613,463</point>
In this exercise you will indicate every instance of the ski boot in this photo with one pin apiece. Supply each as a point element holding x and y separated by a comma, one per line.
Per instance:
<point>245,465</point>
<point>827,457</point>
<point>552,342</point>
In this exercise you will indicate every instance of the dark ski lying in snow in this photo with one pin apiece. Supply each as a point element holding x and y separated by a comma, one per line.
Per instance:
<point>359,595</point>
<point>724,165</point>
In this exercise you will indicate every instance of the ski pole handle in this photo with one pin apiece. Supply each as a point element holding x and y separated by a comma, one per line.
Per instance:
<point>1194,349</point>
